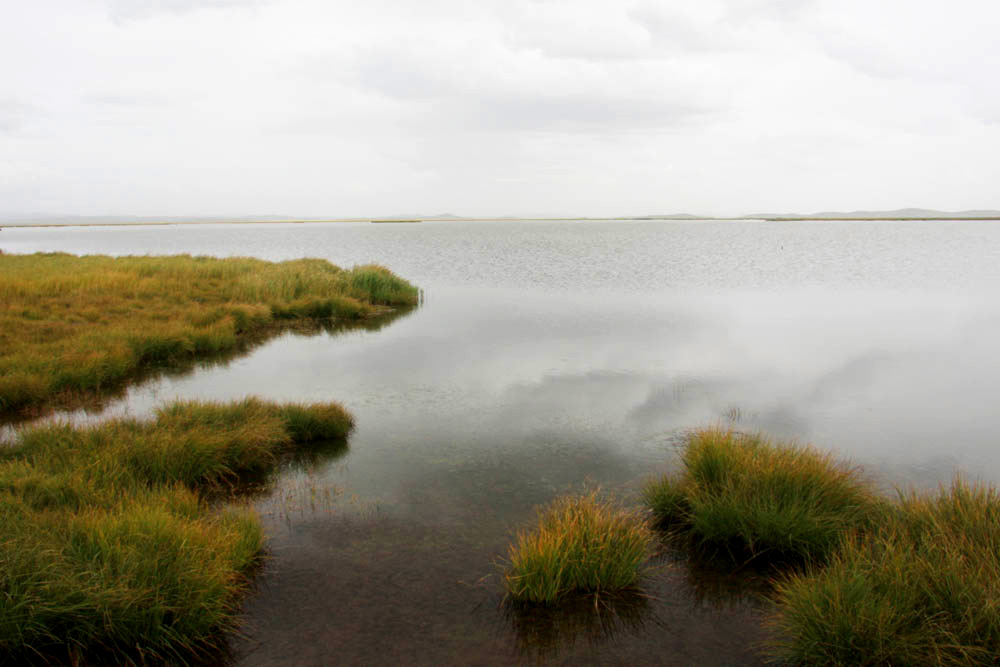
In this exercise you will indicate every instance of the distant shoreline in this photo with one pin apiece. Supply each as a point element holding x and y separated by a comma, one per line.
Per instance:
<point>143,223</point>
<point>938,219</point>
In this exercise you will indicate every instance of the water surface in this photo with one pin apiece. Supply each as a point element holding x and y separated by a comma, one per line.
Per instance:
<point>548,356</point>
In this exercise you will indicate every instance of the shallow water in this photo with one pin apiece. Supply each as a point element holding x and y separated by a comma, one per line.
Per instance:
<point>547,356</point>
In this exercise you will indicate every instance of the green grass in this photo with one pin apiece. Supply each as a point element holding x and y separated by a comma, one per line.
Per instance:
<point>924,590</point>
<point>76,325</point>
<point>581,544</point>
<point>911,582</point>
<point>109,543</point>
<point>755,498</point>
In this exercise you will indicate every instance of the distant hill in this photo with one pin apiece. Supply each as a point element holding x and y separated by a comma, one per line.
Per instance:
<point>898,214</point>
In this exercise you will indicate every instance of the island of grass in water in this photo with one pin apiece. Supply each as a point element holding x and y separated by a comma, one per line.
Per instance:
<point>581,545</point>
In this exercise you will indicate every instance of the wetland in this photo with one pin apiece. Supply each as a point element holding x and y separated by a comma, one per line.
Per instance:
<point>546,358</point>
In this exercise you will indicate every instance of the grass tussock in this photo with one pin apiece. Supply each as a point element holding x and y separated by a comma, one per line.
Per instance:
<point>923,590</point>
<point>73,324</point>
<point>749,495</point>
<point>911,582</point>
<point>108,542</point>
<point>581,544</point>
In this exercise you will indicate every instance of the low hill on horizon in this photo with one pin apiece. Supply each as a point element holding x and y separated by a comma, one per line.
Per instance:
<point>919,213</point>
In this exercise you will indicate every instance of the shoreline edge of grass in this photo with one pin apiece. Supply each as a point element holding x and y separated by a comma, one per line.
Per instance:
<point>113,543</point>
<point>76,326</point>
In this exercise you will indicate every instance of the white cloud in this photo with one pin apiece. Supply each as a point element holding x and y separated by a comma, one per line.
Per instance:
<point>311,107</point>
<point>129,10</point>
<point>12,114</point>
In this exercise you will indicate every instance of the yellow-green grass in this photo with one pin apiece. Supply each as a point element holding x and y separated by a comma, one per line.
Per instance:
<point>746,494</point>
<point>108,541</point>
<point>912,582</point>
<point>72,325</point>
<point>581,544</point>
<point>923,590</point>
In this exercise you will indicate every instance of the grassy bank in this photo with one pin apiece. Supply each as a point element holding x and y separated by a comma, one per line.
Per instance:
<point>77,325</point>
<point>109,546</point>
<point>876,582</point>
<point>581,544</point>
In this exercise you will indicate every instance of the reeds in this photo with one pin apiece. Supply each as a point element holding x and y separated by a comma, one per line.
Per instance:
<point>73,324</point>
<point>746,494</point>
<point>108,542</point>
<point>581,544</point>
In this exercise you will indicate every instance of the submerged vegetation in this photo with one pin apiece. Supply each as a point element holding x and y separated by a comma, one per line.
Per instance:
<point>73,325</point>
<point>109,540</point>
<point>582,544</point>
<point>876,582</point>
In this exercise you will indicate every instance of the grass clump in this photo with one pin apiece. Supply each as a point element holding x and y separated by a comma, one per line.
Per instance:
<point>109,542</point>
<point>911,582</point>
<point>581,544</point>
<point>73,324</point>
<point>746,494</point>
<point>924,589</point>
<point>153,575</point>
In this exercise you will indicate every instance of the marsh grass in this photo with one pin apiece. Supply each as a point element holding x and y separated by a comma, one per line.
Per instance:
<point>109,542</point>
<point>875,582</point>
<point>754,498</point>
<point>78,325</point>
<point>581,544</point>
<point>925,589</point>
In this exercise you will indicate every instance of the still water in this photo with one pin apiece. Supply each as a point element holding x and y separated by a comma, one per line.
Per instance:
<point>547,356</point>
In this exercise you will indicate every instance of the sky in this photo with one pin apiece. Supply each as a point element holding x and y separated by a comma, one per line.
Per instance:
<point>508,107</point>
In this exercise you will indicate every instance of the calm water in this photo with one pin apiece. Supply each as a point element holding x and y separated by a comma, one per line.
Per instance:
<point>547,356</point>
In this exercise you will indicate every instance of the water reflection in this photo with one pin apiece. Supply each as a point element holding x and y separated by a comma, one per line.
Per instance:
<point>545,632</point>
<point>714,578</point>
<point>86,407</point>
<point>305,462</point>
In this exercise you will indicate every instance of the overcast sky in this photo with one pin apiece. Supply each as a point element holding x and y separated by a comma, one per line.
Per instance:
<point>512,107</point>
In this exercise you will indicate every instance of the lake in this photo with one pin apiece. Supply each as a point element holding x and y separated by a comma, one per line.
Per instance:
<point>554,356</point>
